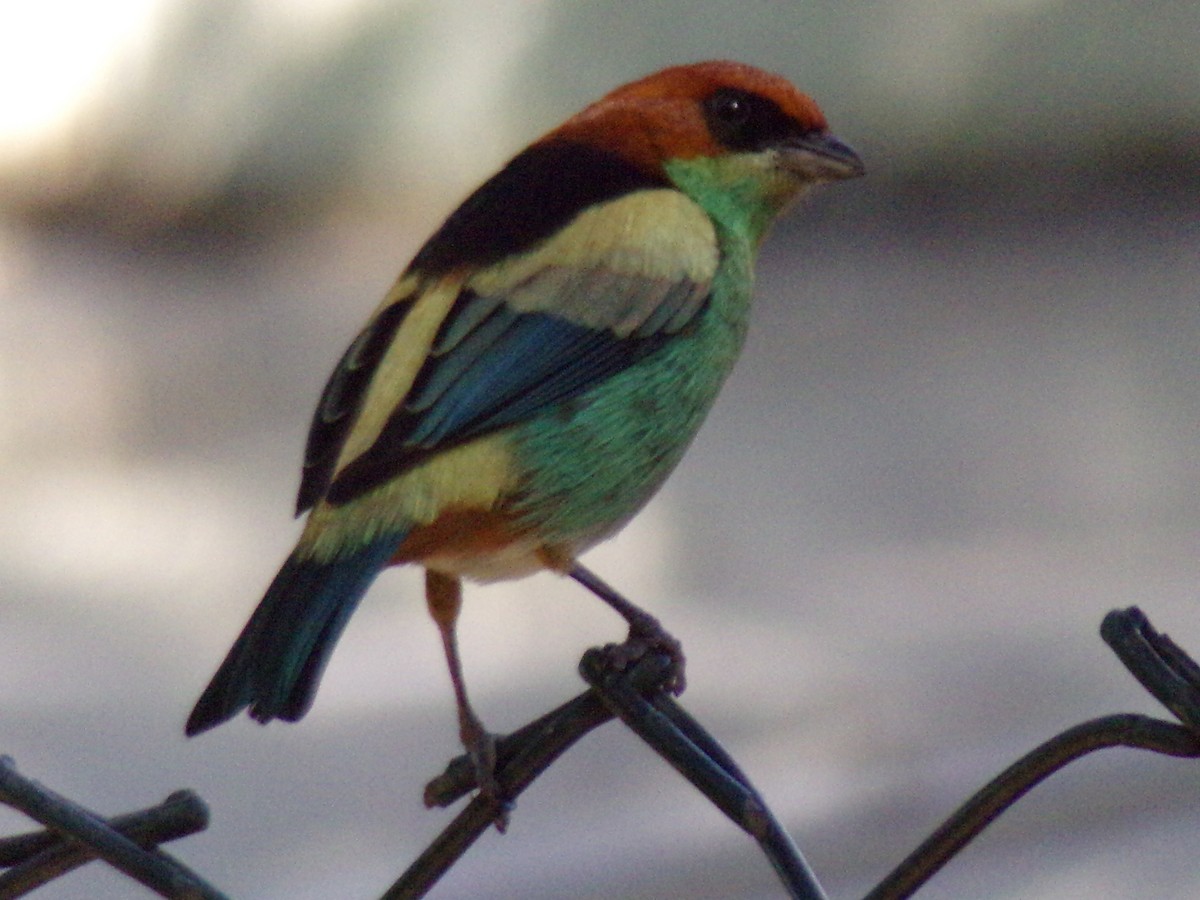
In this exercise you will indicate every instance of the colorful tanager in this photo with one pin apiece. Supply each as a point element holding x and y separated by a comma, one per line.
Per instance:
<point>537,371</point>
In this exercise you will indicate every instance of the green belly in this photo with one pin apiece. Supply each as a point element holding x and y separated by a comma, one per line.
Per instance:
<point>587,466</point>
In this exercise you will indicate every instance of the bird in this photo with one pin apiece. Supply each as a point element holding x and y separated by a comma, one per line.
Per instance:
<point>536,371</point>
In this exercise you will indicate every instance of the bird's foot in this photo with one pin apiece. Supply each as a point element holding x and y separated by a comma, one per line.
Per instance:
<point>647,635</point>
<point>480,745</point>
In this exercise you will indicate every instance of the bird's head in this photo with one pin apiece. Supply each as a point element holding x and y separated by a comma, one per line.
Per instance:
<point>739,141</point>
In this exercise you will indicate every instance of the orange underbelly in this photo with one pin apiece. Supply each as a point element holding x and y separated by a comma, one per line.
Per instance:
<point>483,545</point>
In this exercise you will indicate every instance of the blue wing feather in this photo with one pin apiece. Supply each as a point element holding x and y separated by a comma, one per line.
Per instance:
<point>537,361</point>
<point>511,367</point>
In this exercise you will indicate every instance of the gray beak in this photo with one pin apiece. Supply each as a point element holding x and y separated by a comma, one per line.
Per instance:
<point>821,156</point>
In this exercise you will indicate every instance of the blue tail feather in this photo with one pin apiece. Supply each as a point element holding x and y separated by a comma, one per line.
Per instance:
<point>276,663</point>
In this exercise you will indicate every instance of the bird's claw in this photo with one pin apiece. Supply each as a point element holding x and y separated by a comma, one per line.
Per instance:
<point>648,636</point>
<point>480,745</point>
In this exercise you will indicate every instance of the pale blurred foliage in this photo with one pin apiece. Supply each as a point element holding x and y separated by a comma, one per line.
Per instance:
<point>144,112</point>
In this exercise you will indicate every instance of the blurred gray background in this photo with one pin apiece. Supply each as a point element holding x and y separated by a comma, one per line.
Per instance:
<point>965,426</point>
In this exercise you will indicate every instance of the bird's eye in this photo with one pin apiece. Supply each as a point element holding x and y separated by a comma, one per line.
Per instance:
<point>731,109</point>
<point>741,120</point>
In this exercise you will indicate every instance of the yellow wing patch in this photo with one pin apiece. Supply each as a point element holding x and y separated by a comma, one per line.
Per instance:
<point>655,239</point>
<point>402,361</point>
<point>475,475</point>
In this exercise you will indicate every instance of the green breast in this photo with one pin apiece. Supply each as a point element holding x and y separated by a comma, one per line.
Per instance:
<point>587,466</point>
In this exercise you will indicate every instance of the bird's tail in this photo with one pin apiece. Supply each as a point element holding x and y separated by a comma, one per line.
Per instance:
<point>274,666</point>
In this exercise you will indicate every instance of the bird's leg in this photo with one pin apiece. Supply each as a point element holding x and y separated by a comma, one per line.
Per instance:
<point>646,633</point>
<point>443,595</point>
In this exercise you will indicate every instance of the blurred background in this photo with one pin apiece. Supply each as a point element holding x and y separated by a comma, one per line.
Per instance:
<point>966,425</point>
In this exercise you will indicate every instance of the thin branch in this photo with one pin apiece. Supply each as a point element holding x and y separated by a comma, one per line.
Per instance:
<point>638,698</point>
<point>181,814</point>
<point>157,871</point>
<point>637,695</point>
<point>1164,668</point>
<point>520,758</point>
<point>552,734</point>
<point>684,743</point>
<point>1139,732</point>
<point>38,857</point>
<point>1160,665</point>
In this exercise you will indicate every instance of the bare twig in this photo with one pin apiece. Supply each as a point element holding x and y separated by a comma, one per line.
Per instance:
<point>1162,667</point>
<point>1139,732</point>
<point>181,814</point>
<point>541,741</point>
<point>638,698</point>
<point>520,758</point>
<point>92,835</point>
<point>38,857</point>
<point>681,740</point>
